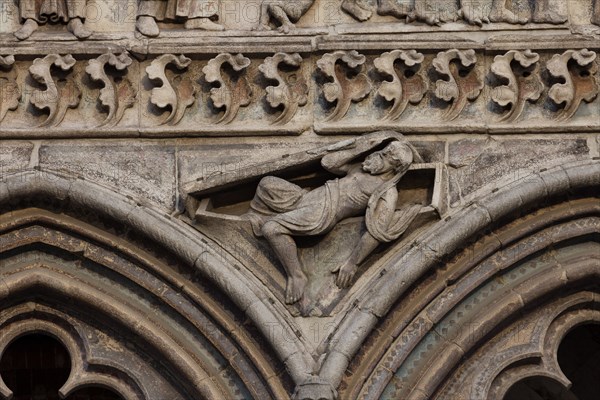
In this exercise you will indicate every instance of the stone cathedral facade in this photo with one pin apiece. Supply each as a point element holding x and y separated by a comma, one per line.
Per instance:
<point>299,200</point>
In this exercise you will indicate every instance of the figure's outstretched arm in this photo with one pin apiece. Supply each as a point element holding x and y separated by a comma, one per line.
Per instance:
<point>340,155</point>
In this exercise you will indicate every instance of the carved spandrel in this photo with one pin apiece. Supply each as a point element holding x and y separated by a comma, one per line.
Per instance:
<point>463,81</point>
<point>519,70</point>
<point>10,94</point>
<point>118,94</point>
<point>231,90</point>
<point>577,70</point>
<point>218,205</point>
<point>344,89</point>
<point>176,94</point>
<point>59,94</point>
<point>408,85</point>
<point>291,91</point>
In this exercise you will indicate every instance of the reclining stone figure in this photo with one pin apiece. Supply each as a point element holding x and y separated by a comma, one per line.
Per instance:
<point>282,210</point>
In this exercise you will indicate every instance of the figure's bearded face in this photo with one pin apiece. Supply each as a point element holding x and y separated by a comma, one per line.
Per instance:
<point>376,163</point>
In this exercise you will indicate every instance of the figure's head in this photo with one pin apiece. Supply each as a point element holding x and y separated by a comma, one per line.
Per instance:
<point>394,157</point>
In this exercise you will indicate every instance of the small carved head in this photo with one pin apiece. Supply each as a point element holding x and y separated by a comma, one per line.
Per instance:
<point>395,156</point>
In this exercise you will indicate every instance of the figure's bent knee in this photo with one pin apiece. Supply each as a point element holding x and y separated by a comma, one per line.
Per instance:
<point>272,228</point>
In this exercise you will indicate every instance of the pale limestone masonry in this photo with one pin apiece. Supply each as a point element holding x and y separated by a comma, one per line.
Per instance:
<point>253,199</point>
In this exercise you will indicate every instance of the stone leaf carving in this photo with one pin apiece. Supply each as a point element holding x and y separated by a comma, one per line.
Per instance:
<point>463,83</point>
<point>524,83</point>
<point>117,96</point>
<point>58,97</point>
<point>231,92</point>
<point>10,93</point>
<point>178,94</point>
<point>580,81</point>
<point>289,94</point>
<point>343,90</point>
<point>406,86</point>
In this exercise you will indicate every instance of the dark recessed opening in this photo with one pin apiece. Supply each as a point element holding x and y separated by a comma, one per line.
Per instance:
<point>36,366</point>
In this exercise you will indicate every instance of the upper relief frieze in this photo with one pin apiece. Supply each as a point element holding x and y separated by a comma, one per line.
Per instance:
<point>143,19</point>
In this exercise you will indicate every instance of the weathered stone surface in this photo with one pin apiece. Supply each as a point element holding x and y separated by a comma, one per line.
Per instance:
<point>146,172</point>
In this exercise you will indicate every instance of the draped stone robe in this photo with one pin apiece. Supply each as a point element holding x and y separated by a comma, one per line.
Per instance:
<point>178,9</point>
<point>53,10</point>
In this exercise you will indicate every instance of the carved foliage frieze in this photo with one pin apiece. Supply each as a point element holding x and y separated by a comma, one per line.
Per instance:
<point>231,89</point>
<point>117,94</point>
<point>520,71</point>
<point>461,81</point>
<point>176,94</point>
<point>291,91</point>
<point>577,70</point>
<point>286,93</point>
<point>343,89</point>
<point>408,85</point>
<point>59,94</point>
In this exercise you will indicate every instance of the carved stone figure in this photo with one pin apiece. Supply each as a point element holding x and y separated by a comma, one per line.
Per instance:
<point>596,13</point>
<point>281,210</point>
<point>284,12</point>
<point>361,9</point>
<point>35,12</point>
<point>197,14</point>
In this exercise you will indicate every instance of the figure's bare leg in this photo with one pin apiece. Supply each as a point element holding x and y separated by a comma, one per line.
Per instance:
<point>596,13</point>
<point>147,26</point>
<point>366,245</point>
<point>285,247</point>
<point>501,13</point>
<point>29,26</point>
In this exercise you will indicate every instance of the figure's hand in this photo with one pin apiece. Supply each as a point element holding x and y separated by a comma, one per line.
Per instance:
<point>346,273</point>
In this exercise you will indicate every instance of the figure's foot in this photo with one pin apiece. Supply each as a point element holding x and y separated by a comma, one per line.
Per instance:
<point>428,18</point>
<point>549,17</point>
<point>357,12</point>
<point>147,26</point>
<point>76,27</point>
<point>345,274</point>
<point>388,7</point>
<point>295,288</point>
<point>473,15</point>
<point>29,26</point>
<point>203,23</point>
<point>505,15</point>
<point>286,27</point>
